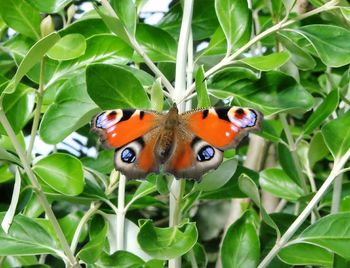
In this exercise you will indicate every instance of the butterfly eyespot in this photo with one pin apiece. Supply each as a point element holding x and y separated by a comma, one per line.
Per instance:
<point>205,153</point>
<point>128,155</point>
<point>240,111</point>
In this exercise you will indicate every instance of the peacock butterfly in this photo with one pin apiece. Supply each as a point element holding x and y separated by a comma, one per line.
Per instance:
<point>187,145</point>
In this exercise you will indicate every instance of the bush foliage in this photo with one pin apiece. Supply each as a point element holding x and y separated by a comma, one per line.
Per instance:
<point>281,199</point>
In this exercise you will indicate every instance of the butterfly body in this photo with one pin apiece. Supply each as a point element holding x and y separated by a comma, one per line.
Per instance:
<point>187,145</point>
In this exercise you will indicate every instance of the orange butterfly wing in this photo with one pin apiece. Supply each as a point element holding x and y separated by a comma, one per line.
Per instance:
<point>134,134</point>
<point>223,128</point>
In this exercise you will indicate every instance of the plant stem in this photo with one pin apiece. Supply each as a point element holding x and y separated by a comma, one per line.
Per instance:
<point>40,96</point>
<point>140,50</point>
<point>92,210</point>
<point>121,212</point>
<point>37,188</point>
<point>279,26</point>
<point>338,164</point>
<point>336,197</point>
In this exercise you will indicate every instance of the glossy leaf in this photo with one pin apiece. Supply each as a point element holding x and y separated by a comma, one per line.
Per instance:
<point>25,237</point>
<point>33,56</point>
<point>22,17</point>
<point>62,172</point>
<point>267,63</point>
<point>287,163</point>
<point>113,24</point>
<point>202,90</point>
<point>131,231</point>
<point>318,149</point>
<point>336,134</point>
<point>277,182</point>
<point>215,179</point>
<point>126,11</point>
<point>322,112</point>
<point>330,42</point>
<point>204,20</point>
<point>92,250</point>
<point>120,259</point>
<point>108,91</point>
<point>73,108</point>
<point>299,56</point>
<point>248,186</point>
<point>69,47</point>
<point>103,163</point>
<point>234,16</point>
<point>69,224</point>
<point>18,107</point>
<point>330,232</point>
<point>157,43</point>
<point>49,6</point>
<point>306,254</point>
<point>167,243</point>
<point>240,247</point>
<point>231,188</point>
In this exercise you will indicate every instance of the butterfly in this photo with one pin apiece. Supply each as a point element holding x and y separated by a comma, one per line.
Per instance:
<point>186,145</point>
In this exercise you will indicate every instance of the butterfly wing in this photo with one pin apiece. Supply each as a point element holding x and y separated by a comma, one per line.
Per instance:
<point>223,128</point>
<point>203,135</point>
<point>133,133</point>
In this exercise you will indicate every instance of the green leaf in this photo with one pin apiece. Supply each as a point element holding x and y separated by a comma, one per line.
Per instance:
<point>22,17</point>
<point>299,56</point>
<point>234,19</point>
<point>18,108</point>
<point>331,43</point>
<point>49,6</point>
<point>167,243</point>
<point>69,47</point>
<point>84,27</point>
<point>5,155</point>
<point>34,55</point>
<point>62,172</point>
<point>215,179</point>
<point>114,24</point>
<point>92,250</point>
<point>72,108</point>
<point>157,95</point>
<point>201,88</point>
<point>120,259</point>
<point>248,186</point>
<point>131,231</point>
<point>336,134</point>
<point>339,262</point>
<point>318,149</point>
<point>306,254</point>
<point>287,162</point>
<point>104,162</point>
<point>157,43</point>
<point>69,224</point>
<point>267,63</point>
<point>126,11</point>
<point>109,91</point>
<point>25,237</point>
<point>322,112</point>
<point>273,93</point>
<point>240,247</point>
<point>330,232</point>
<point>231,188</point>
<point>277,182</point>
<point>5,173</point>
<point>204,20</point>
<point>198,253</point>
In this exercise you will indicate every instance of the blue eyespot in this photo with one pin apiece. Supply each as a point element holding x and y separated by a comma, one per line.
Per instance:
<point>205,153</point>
<point>128,155</point>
